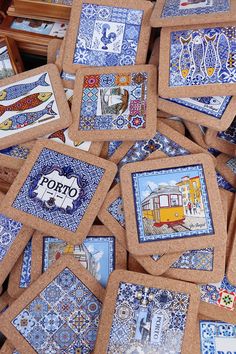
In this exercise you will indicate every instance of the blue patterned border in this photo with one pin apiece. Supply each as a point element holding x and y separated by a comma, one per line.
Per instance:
<point>138,205</point>
<point>196,260</point>
<point>25,277</point>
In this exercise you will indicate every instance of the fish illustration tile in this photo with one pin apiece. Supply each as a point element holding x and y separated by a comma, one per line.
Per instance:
<point>46,318</point>
<point>117,36</point>
<point>32,104</point>
<point>151,188</point>
<point>168,13</point>
<point>54,191</point>
<point>220,336</point>
<point>115,103</point>
<point>198,58</point>
<point>158,315</point>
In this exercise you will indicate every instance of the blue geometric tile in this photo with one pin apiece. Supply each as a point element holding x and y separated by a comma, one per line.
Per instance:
<point>188,7</point>
<point>116,210</point>
<point>9,230</point>
<point>196,260</point>
<point>138,310</point>
<point>64,211</point>
<point>229,134</point>
<point>102,34</point>
<point>17,151</point>
<point>66,325</point>
<point>25,276</point>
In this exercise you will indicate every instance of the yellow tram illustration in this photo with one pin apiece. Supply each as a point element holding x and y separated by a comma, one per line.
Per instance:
<point>164,205</point>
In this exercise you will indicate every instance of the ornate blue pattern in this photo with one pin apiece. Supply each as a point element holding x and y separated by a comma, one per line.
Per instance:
<point>116,210</point>
<point>187,7</point>
<point>64,324</point>
<point>222,183</point>
<point>196,260</point>
<point>231,163</point>
<point>204,56</point>
<point>96,254</point>
<point>9,230</point>
<point>90,174</point>
<point>112,147</point>
<point>25,277</point>
<point>17,151</point>
<point>213,106</point>
<point>230,134</point>
<point>139,309</point>
<point>213,336</point>
<point>149,232</point>
<point>107,36</point>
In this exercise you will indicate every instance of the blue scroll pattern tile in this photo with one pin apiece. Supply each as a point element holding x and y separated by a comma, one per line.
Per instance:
<point>196,260</point>
<point>63,318</point>
<point>9,230</point>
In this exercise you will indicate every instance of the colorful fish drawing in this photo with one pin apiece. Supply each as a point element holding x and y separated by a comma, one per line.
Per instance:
<point>59,135</point>
<point>223,49</point>
<point>16,91</point>
<point>210,56</point>
<point>198,50</point>
<point>207,100</point>
<point>185,59</point>
<point>27,102</point>
<point>22,120</point>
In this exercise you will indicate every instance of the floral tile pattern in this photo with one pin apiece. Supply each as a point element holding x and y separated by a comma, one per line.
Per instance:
<point>25,277</point>
<point>196,260</point>
<point>9,230</point>
<point>147,308</point>
<point>63,318</point>
<point>229,134</point>
<point>107,36</point>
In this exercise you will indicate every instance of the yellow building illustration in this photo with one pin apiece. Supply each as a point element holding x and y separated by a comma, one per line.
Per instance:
<point>191,190</point>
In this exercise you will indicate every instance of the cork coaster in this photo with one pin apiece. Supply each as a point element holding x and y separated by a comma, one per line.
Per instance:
<point>204,65</point>
<point>168,13</point>
<point>45,317</point>
<point>53,50</point>
<point>153,302</point>
<point>54,192</point>
<point>193,219</point>
<point>100,254</point>
<point>175,124</point>
<point>114,103</point>
<point>154,58</point>
<point>8,348</point>
<point>197,132</point>
<point>110,30</point>
<point>231,271</point>
<point>32,104</point>
<point>213,112</point>
<point>224,141</point>
<point>226,165</point>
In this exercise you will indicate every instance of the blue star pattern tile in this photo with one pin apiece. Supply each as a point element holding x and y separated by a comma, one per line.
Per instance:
<point>213,106</point>
<point>222,294</point>
<point>204,56</point>
<point>96,254</point>
<point>189,7</point>
<point>229,134</point>
<point>107,36</point>
<point>9,230</point>
<point>65,210</point>
<point>146,308</point>
<point>112,147</point>
<point>25,276</point>
<point>114,101</point>
<point>63,318</point>
<point>191,215</point>
<point>216,336</point>
<point>196,260</point>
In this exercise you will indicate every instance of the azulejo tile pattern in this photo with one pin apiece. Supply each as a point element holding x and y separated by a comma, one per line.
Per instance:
<point>150,230</point>
<point>213,106</point>
<point>107,36</point>
<point>112,147</point>
<point>67,216</point>
<point>96,254</point>
<point>17,151</point>
<point>222,294</point>
<point>63,318</point>
<point>25,276</point>
<point>189,7</point>
<point>203,56</point>
<point>9,230</point>
<point>231,163</point>
<point>114,101</point>
<point>147,307</point>
<point>222,183</point>
<point>213,335</point>
<point>229,134</point>
<point>116,210</point>
<point>196,260</point>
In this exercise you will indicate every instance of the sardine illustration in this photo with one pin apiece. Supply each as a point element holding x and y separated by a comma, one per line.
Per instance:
<point>16,91</point>
<point>198,50</point>
<point>22,120</point>
<point>59,135</point>
<point>27,102</point>
<point>223,49</point>
<point>207,100</point>
<point>185,59</point>
<point>210,56</point>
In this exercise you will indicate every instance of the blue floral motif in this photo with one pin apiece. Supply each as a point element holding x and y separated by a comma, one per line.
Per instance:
<point>17,151</point>
<point>229,135</point>
<point>103,123</point>
<point>112,147</point>
<point>116,210</point>
<point>120,122</point>
<point>101,33</point>
<point>9,230</point>
<point>196,260</point>
<point>210,293</point>
<point>136,304</point>
<point>64,325</point>
<point>25,276</point>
